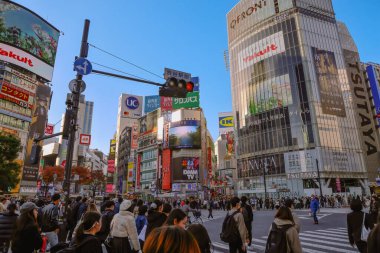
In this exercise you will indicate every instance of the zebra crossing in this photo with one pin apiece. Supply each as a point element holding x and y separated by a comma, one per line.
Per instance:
<point>332,240</point>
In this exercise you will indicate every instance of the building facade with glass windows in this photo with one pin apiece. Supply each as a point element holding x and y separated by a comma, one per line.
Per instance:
<point>295,118</point>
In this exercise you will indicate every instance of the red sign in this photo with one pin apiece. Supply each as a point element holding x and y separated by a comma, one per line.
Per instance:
<point>110,188</point>
<point>166,104</point>
<point>16,101</point>
<point>49,129</point>
<point>85,139</point>
<point>209,162</point>
<point>338,186</point>
<point>138,171</point>
<point>111,166</point>
<point>63,163</point>
<point>135,136</point>
<point>166,176</point>
<point>13,91</point>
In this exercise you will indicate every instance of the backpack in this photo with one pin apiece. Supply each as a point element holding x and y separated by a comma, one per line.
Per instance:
<point>230,231</point>
<point>277,242</point>
<point>66,248</point>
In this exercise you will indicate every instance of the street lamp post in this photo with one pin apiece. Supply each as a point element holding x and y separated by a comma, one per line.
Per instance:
<point>265,180</point>
<point>319,177</point>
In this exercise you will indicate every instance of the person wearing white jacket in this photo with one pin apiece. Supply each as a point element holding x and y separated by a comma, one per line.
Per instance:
<point>124,231</point>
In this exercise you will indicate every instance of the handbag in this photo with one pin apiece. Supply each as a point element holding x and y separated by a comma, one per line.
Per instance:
<point>365,232</point>
<point>109,240</point>
<point>142,233</point>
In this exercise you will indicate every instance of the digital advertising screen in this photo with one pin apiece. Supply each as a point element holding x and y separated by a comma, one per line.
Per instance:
<point>185,134</point>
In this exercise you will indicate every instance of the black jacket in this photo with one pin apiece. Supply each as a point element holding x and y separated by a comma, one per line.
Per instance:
<point>155,220</point>
<point>354,225</point>
<point>27,241</point>
<point>7,223</point>
<point>374,240</point>
<point>49,218</point>
<point>107,217</point>
<point>89,243</point>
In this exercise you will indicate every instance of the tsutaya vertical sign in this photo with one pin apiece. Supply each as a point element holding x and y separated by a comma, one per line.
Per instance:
<point>363,113</point>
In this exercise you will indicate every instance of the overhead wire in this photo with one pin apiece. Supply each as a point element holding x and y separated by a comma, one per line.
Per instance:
<point>120,71</point>
<point>128,62</point>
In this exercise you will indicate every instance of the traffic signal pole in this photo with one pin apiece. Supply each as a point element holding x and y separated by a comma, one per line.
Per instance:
<point>73,105</point>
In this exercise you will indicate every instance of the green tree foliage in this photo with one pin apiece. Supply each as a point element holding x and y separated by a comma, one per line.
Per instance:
<point>9,169</point>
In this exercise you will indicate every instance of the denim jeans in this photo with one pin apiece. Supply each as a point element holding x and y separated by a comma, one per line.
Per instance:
<point>315,216</point>
<point>52,239</point>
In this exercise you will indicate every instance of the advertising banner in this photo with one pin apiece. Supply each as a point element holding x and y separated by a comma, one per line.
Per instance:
<point>151,103</point>
<point>195,80</point>
<point>110,188</point>
<point>185,134</point>
<point>363,113</point>
<point>49,129</point>
<point>166,104</point>
<point>166,175</point>
<point>246,14</point>
<point>138,171</point>
<point>300,161</point>
<point>191,101</point>
<point>16,92</point>
<point>266,120</point>
<point>111,166</point>
<point>130,177</point>
<point>272,45</point>
<point>230,145</point>
<point>226,122</point>
<point>135,136</point>
<point>20,82</point>
<point>111,155</point>
<point>131,106</point>
<point>270,94</point>
<point>330,91</point>
<point>30,173</point>
<point>375,90</point>
<point>185,168</point>
<point>255,166</point>
<point>148,123</point>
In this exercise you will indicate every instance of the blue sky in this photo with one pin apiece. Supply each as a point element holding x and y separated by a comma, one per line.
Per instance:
<point>187,35</point>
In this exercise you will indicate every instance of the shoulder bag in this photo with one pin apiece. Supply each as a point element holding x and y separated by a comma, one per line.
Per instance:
<point>365,232</point>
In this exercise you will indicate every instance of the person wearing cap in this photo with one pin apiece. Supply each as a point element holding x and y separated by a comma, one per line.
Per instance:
<point>49,220</point>
<point>123,229</point>
<point>26,237</point>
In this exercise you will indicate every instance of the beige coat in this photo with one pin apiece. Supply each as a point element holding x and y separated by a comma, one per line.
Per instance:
<point>292,238</point>
<point>241,225</point>
<point>124,225</point>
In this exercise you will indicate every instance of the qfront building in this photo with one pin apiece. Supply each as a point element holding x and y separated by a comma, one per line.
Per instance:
<point>298,126</point>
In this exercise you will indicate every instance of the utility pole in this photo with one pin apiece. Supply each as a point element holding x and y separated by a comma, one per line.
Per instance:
<point>319,177</point>
<point>73,105</point>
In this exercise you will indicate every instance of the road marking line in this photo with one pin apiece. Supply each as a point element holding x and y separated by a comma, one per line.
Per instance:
<point>225,246</point>
<point>333,232</point>
<point>333,249</point>
<point>326,237</point>
<point>325,242</point>
<point>338,229</point>
<point>326,234</point>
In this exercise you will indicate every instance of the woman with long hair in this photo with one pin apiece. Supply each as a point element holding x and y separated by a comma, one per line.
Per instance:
<point>92,208</point>
<point>284,221</point>
<point>26,237</point>
<point>170,239</point>
<point>85,238</point>
<point>201,236</point>
<point>177,217</point>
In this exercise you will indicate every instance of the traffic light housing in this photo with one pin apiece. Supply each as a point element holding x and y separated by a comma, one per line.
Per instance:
<point>67,124</point>
<point>176,88</point>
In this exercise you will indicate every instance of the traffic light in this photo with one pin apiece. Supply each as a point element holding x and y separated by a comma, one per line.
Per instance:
<point>176,88</point>
<point>67,124</point>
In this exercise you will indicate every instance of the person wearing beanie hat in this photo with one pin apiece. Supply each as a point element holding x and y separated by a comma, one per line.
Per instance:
<point>27,238</point>
<point>123,229</point>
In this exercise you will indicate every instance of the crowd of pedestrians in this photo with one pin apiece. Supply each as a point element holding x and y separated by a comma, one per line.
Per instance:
<point>124,225</point>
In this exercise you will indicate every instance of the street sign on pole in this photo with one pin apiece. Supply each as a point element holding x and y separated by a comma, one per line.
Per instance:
<point>82,66</point>
<point>74,82</point>
<point>85,139</point>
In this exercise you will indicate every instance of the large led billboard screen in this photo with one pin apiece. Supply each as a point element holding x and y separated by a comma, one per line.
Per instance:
<point>185,168</point>
<point>185,134</point>
<point>27,40</point>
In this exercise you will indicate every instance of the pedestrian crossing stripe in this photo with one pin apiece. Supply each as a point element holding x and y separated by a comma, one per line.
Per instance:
<point>319,241</point>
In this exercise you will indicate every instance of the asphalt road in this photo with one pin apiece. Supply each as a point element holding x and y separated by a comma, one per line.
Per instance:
<point>329,236</point>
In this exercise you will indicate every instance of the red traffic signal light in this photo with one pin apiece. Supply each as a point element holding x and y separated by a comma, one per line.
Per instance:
<point>189,86</point>
<point>174,88</point>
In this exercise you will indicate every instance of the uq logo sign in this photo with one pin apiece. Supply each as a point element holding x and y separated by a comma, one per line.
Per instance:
<point>132,103</point>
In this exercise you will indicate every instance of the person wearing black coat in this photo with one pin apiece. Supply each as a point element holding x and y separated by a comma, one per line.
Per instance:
<point>26,237</point>
<point>107,216</point>
<point>7,224</point>
<point>155,217</point>
<point>355,224</point>
<point>374,238</point>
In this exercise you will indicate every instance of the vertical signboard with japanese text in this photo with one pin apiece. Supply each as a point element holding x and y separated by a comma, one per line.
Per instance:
<point>166,173</point>
<point>374,84</point>
<point>151,103</point>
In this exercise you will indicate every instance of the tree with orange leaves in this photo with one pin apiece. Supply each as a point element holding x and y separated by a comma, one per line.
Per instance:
<point>97,179</point>
<point>83,173</point>
<point>52,174</point>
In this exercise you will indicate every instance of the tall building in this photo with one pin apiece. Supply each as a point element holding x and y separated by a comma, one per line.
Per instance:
<point>297,125</point>
<point>28,46</point>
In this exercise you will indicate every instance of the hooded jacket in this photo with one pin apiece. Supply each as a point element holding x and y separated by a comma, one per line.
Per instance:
<point>292,239</point>
<point>155,220</point>
<point>123,225</point>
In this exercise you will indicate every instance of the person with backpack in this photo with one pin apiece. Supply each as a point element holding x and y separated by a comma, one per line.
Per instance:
<point>234,231</point>
<point>247,212</point>
<point>283,234</point>
<point>49,220</point>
